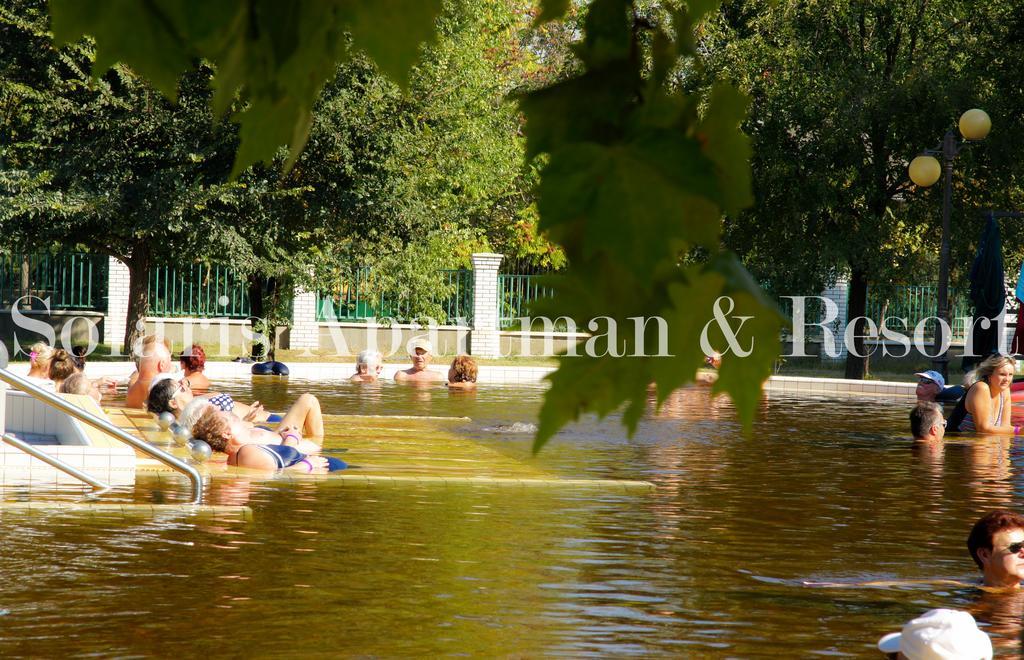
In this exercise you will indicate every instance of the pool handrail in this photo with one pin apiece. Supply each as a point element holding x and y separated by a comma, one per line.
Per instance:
<point>55,463</point>
<point>87,417</point>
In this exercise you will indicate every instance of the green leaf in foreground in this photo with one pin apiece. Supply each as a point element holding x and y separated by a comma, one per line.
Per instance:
<point>630,363</point>
<point>278,54</point>
<point>634,181</point>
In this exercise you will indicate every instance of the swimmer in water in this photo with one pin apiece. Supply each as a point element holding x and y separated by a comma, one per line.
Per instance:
<point>708,378</point>
<point>420,352</point>
<point>996,544</point>
<point>369,364</point>
<point>926,422</point>
<point>939,633</point>
<point>931,386</point>
<point>462,374</point>
<point>246,446</point>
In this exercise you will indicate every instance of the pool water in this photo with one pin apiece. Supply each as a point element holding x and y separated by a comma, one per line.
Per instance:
<point>712,563</point>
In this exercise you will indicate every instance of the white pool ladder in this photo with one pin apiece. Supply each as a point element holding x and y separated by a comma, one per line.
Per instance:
<point>8,378</point>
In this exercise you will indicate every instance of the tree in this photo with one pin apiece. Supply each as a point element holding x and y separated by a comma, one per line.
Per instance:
<point>844,95</point>
<point>635,175</point>
<point>393,166</point>
<point>114,166</point>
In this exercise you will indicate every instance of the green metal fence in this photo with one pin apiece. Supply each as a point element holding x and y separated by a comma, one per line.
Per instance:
<point>915,302</point>
<point>71,280</point>
<point>515,293</point>
<point>350,300</point>
<point>199,291</point>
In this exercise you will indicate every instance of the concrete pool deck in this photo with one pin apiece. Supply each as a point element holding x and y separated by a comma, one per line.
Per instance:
<point>512,375</point>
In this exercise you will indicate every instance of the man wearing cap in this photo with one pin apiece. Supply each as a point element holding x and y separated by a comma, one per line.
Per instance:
<point>420,351</point>
<point>996,544</point>
<point>938,634</point>
<point>931,386</point>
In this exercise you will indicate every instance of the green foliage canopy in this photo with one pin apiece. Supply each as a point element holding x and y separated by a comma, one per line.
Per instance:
<point>280,53</point>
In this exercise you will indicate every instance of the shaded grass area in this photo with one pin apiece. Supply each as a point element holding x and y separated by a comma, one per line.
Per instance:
<point>880,368</point>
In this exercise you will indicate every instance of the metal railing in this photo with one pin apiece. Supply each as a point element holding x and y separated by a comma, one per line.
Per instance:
<point>55,462</point>
<point>915,302</point>
<point>87,417</point>
<point>351,299</point>
<point>70,280</point>
<point>515,293</point>
<point>198,290</point>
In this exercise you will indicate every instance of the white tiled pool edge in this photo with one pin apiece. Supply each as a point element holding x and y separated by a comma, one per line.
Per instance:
<point>340,371</point>
<point>841,386</point>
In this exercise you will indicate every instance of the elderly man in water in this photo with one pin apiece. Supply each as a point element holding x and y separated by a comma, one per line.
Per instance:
<point>420,351</point>
<point>155,359</point>
<point>927,423</point>
<point>368,367</point>
<point>996,544</point>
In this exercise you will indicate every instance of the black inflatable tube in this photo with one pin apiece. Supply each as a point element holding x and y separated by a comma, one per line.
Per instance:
<point>271,368</point>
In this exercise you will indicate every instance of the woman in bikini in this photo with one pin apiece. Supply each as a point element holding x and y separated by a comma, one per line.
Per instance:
<point>986,406</point>
<point>226,433</point>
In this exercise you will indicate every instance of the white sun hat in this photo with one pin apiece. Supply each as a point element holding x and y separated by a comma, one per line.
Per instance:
<point>939,635</point>
<point>419,342</point>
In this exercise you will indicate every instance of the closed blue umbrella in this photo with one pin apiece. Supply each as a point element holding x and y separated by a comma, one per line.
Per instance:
<point>988,293</point>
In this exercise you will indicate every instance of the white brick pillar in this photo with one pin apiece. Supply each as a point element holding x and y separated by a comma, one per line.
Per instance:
<point>118,279</point>
<point>305,332</point>
<point>839,294</point>
<point>484,339</point>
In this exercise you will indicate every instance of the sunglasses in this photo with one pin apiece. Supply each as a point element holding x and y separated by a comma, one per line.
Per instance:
<point>925,381</point>
<point>1015,548</point>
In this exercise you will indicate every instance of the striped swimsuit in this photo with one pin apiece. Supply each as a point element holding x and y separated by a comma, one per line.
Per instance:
<point>968,422</point>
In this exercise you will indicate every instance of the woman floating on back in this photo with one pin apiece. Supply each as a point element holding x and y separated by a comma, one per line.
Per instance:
<point>227,434</point>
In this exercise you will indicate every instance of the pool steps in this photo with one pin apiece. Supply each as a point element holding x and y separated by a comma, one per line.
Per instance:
<point>107,509</point>
<point>393,450</point>
<point>48,421</point>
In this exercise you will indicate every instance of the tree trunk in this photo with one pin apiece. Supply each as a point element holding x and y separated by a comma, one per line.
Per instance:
<point>25,282</point>
<point>271,325</point>
<point>856,308</point>
<point>138,295</point>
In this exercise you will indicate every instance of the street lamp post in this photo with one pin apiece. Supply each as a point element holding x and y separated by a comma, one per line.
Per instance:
<point>925,171</point>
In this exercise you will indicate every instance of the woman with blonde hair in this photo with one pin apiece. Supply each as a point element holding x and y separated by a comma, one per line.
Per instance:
<point>39,366</point>
<point>986,406</point>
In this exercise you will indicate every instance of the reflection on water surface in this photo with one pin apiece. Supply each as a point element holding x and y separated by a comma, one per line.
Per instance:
<point>711,564</point>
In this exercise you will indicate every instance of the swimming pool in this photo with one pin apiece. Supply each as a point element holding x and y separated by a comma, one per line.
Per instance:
<point>710,564</point>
